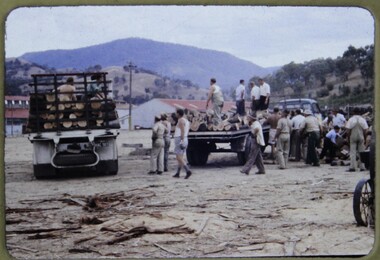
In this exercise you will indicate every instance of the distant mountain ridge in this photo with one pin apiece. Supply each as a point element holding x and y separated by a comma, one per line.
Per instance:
<point>173,60</point>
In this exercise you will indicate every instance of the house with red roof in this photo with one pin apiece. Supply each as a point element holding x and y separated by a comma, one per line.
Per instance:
<point>16,114</point>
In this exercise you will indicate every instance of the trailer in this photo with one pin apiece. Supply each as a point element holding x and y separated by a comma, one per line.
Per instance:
<point>72,135</point>
<point>201,144</point>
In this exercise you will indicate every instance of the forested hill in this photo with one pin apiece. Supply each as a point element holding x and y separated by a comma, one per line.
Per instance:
<point>173,60</point>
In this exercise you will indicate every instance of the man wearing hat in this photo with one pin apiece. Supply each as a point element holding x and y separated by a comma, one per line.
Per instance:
<point>157,153</point>
<point>357,130</point>
<point>311,128</point>
<point>257,140</point>
<point>284,127</point>
<point>168,126</point>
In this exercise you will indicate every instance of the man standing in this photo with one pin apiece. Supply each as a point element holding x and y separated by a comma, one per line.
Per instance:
<point>284,126</point>
<point>337,119</point>
<point>180,141</point>
<point>257,140</point>
<point>216,96</point>
<point>312,129</point>
<point>168,126</point>
<point>272,120</point>
<point>295,137</point>
<point>157,153</point>
<point>240,95</point>
<point>357,131</point>
<point>255,97</point>
<point>264,94</point>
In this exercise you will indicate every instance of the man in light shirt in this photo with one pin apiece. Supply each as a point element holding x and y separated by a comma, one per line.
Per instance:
<point>257,140</point>
<point>264,94</point>
<point>337,119</point>
<point>357,130</point>
<point>255,97</point>
<point>239,97</point>
<point>216,96</point>
<point>295,138</point>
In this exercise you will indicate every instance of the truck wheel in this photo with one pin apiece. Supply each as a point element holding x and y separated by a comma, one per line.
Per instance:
<point>44,171</point>
<point>241,158</point>
<point>363,203</point>
<point>190,157</point>
<point>201,158</point>
<point>109,167</point>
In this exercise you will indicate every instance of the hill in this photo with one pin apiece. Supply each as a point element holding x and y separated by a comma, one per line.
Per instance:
<point>145,85</point>
<point>173,60</point>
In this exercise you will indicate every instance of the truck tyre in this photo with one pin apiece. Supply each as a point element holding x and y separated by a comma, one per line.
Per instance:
<point>109,167</point>
<point>44,171</point>
<point>197,157</point>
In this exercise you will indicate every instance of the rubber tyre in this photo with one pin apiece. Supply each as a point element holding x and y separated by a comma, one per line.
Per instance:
<point>197,157</point>
<point>44,171</point>
<point>110,167</point>
<point>363,203</point>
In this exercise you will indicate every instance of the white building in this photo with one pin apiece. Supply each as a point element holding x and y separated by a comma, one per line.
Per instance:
<point>143,115</point>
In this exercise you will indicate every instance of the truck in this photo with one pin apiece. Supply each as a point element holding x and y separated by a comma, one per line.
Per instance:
<point>74,135</point>
<point>201,144</point>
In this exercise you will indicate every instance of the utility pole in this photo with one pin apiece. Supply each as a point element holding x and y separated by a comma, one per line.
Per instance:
<point>130,66</point>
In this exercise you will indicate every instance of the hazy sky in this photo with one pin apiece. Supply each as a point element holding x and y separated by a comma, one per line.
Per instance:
<point>266,36</point>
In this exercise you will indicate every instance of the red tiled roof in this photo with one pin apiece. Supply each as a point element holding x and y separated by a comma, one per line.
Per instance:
<point>16,97</point>
<point>17,113</point>
<point>195,104</point>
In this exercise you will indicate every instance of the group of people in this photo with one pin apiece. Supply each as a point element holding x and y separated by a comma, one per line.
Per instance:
<point>259,95</point>
<point>161,139</point>
<point>299,135</point>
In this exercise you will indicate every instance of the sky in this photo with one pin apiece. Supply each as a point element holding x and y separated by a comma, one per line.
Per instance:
<point>266,36</point>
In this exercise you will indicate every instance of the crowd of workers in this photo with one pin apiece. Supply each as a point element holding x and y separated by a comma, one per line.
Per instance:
<point>296,134</point>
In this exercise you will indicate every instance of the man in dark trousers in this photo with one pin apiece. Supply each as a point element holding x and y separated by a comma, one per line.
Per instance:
<point>329,144</point>
<point>311,128</point>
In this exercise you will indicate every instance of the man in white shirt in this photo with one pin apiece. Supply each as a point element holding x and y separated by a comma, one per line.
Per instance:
<point>264,94</point>
<point>255,97</point>
<point>337,119</point>
<point>357,131</point>
<point>239,97</point>
<point>295,137</point>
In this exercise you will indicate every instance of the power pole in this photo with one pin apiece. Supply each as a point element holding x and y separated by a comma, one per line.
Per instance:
<point>130,66</point>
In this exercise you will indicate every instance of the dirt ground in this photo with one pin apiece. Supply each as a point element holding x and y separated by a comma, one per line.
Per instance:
<point>218,212</point>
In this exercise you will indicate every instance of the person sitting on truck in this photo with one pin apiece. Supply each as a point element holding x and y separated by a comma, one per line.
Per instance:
<point>180,141</point>
<point>240,95</point>
<point>284,127</point>
<point>157,153</point>
<point>257,141</point>
<point>264,94</point>
<point>94,89</point>
<point>216,96</point>
<point>67,91</point>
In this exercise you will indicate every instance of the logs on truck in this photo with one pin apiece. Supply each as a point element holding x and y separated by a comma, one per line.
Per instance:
<point>50,112</point>
<point>201,120</point>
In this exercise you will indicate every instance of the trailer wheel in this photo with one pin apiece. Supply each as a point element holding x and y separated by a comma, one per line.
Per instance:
<point>363,203</point>
<point>197,157</point>
<point>109,167</point>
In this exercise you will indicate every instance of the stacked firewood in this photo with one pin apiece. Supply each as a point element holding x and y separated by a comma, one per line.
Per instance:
<point>47,113</point>
<point>203,121</point>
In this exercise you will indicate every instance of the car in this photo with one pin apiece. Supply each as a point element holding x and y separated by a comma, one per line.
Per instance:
<point>299,103</point>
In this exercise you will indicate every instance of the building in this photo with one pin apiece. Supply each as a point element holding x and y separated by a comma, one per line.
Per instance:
<point>16,114</point>
<point>143,115</point>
